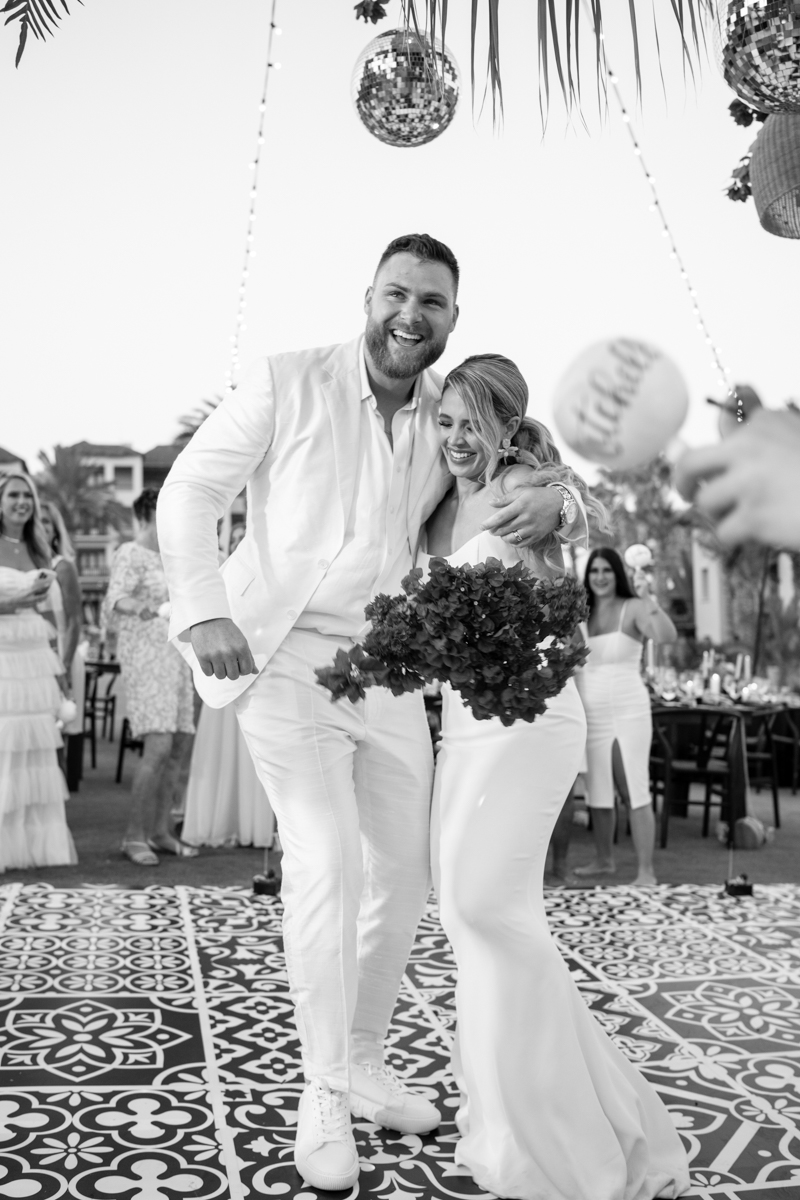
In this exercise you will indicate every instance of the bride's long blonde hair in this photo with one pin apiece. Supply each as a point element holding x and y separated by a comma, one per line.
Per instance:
<point>494,391</point>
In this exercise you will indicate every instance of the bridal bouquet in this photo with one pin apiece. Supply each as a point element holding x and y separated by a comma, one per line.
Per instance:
<point>482,629</point>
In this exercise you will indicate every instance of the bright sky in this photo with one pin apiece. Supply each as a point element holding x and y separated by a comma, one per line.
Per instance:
<point>125,154</point>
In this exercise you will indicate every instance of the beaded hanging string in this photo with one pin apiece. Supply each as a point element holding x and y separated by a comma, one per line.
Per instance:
<point>666,232</point>
<point>733,401</point>
<point>249,252</point>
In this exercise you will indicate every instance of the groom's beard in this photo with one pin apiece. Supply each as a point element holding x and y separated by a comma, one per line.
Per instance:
<point>401,362</point>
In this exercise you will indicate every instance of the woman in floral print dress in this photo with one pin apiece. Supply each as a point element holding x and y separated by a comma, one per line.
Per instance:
<point>159,691</point>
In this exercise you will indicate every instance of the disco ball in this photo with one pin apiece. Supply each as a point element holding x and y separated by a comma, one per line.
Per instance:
<point>758,48</point>
<point>402,98</point>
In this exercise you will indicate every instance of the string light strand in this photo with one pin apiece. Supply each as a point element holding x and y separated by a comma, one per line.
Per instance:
<point>255,164</point>
<point>656,207</point>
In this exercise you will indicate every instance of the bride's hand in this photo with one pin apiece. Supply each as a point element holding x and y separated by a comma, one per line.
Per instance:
<point>525,515</point>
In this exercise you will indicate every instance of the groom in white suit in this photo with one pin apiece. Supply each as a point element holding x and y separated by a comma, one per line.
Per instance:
<point>340,453</point>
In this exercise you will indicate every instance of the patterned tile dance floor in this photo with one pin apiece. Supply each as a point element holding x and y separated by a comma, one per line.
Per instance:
<point>147,1050</point>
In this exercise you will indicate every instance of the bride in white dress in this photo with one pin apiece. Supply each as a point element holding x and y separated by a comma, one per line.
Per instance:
<point>550,1109</point>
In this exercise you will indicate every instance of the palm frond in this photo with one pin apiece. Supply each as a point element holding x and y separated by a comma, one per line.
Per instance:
<point>39,16</point>
<point>83,499</point>
<point>190,422</point>
<point>558,41</point>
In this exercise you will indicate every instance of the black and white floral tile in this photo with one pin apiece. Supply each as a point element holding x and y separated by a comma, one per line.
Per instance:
<point>147,1049</point>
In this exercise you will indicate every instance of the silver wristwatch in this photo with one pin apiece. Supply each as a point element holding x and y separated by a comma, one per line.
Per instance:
<point>569,508</point>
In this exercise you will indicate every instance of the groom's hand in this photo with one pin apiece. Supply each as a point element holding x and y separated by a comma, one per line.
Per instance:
<point>526,514</point>
<point>222,649</point>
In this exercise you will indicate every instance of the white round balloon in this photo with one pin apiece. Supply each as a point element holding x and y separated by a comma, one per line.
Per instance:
<point>638,556</point>
<point>620,403</point>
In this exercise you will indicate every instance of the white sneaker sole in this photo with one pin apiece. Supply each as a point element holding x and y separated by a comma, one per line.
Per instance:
<point>369,1110</point>
<point>326,1182</point>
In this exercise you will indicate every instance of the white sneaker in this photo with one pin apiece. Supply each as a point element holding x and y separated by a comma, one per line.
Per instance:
<point>376,1094</point>
<point>325,1151</point>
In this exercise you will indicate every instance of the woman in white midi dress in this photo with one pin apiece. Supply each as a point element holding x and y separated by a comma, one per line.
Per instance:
<point>550,1109</point>
<point>619,724</point>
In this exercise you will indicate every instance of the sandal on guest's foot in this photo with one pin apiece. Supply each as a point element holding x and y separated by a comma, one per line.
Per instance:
<point>592,869</point>
<point>558,879</point>
<point>140,853</point>
<point>173,845</point>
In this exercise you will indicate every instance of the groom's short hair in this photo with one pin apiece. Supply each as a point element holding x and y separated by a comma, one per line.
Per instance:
<point>425,248</point>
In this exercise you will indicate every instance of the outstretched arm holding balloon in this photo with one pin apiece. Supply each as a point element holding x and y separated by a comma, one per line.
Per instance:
<point>648,616</point>
<point>749,484</point>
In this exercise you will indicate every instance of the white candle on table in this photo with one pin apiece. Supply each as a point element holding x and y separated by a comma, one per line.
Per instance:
<point>715,684</point>
<point>650,656</point>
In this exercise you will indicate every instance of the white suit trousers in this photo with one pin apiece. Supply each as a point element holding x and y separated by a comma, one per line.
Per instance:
<point>351,786</point>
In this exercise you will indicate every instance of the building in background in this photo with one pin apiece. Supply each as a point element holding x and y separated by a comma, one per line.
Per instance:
<point>711,603</point>
<point>9,463</point>
<point>156,464</point>
<point>120,467</point>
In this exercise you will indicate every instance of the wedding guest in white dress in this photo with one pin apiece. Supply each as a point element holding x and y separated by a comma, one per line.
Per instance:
<point>338,448</point>
<point>226,804</point>
<point>68,609</point>
<point>550,1108</point>
<point>619,724</point>
<point>33,826</point>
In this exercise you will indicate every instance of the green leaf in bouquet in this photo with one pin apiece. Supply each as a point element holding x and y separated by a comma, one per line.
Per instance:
<point>479,628</point>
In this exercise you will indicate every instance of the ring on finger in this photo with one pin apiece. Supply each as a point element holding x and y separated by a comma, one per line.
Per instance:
<point>516,535</point>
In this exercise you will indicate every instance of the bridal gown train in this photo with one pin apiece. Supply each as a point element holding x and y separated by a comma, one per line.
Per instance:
<point>550,1108</point>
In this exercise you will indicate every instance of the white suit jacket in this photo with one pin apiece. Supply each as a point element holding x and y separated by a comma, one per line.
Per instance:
<point>290,432</point>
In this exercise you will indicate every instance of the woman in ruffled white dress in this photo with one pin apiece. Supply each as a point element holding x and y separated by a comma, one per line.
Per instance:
<point>33,825</point>
<point>550,1108</point>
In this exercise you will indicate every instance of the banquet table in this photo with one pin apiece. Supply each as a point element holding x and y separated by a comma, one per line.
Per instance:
<point>689,715</point>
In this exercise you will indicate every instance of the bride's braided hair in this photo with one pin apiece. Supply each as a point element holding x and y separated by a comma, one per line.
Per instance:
<point>494,391</point>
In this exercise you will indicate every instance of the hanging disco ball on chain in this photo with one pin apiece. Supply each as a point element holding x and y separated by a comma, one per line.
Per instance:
<point>758,49</point>
<point>402,97</point>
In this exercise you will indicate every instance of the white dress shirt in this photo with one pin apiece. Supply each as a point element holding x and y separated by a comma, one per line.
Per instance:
<point>376,555</point>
